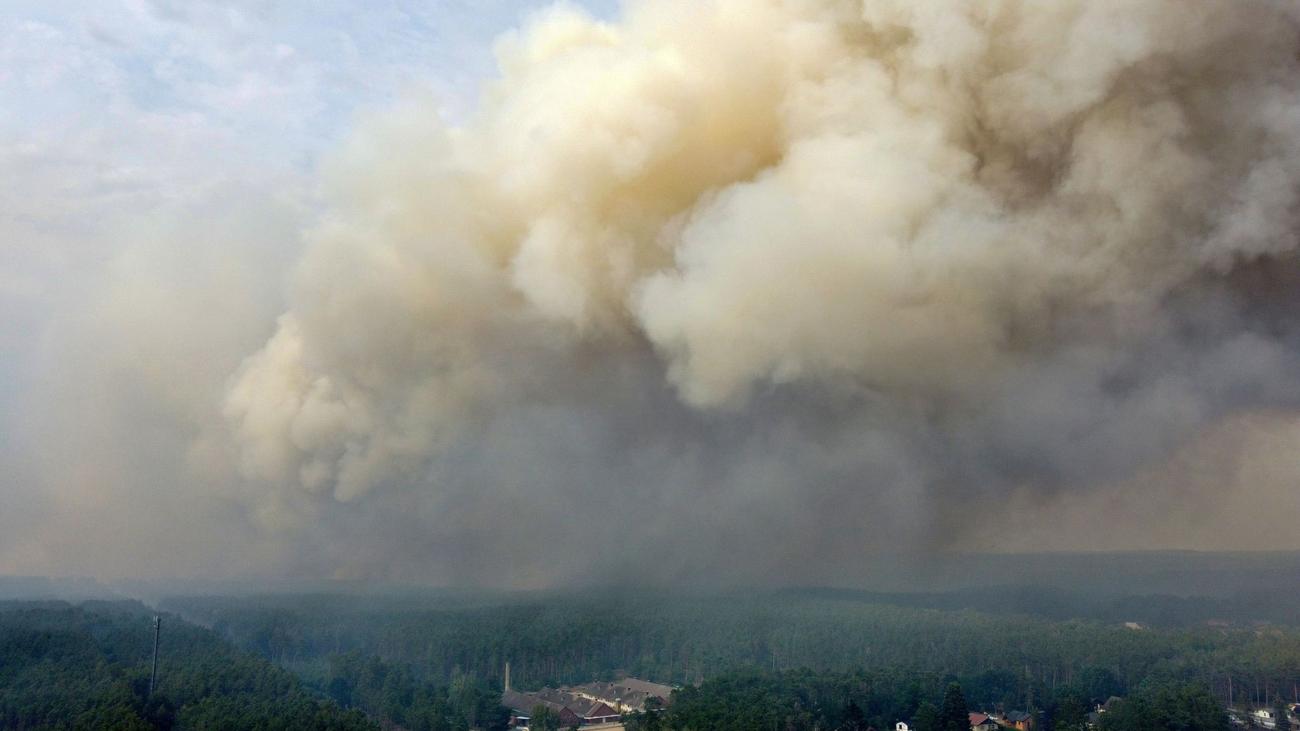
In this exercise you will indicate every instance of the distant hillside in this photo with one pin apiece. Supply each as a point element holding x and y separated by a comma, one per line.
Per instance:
<point>72,589</point>
<point>65,666</point>
<point>1264,605</point>
<point>1102,574</point>
<point>1174,573</point>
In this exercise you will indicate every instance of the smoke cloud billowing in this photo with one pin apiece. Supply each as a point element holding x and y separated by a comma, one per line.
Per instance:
<point>753,290</point>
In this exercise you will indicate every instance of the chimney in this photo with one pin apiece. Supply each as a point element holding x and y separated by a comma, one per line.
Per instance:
<point>507,675</point>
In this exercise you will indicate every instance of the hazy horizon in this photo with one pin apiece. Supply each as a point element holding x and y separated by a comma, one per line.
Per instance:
<point>525,295</point>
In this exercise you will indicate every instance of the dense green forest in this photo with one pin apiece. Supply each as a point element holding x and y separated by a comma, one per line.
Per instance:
<point>800,700</point>
<point>398,697</point>
<point>87,667</point>
<point>805,700</point>
<point>686,639</point>
<point>784,659</point>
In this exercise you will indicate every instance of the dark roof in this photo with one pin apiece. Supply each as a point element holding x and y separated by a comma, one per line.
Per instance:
<point>523,703</point>
<point>557,700</point>
<point>1017,716</point>
<point>654,690</point>
<point>591,709</point>
<point>554,695</point>
<point>582,706</point>
<point>629,692</point>
<point>519,702</point>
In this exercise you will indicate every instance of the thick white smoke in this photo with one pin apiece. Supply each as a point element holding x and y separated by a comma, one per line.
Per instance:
<point>887,200</point>
<point>796,278</point>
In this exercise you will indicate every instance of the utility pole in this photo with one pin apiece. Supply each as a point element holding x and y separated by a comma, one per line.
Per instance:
<point>153,675</point>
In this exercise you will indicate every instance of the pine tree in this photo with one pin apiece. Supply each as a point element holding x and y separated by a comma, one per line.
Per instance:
<point>954,716</point>
<point>854,718</point>
<point>927,718</point>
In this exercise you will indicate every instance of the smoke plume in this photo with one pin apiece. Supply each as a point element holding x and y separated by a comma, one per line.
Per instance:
<point>752,289</point>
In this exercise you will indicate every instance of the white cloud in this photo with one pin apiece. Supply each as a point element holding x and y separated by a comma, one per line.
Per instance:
<point>120,118</point>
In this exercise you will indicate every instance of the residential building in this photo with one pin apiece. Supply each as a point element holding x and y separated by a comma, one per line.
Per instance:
<point>521,707</point>
<point>582,705</point>
<point>1018,720</point>
<point>627,695</point>
<point>1266,718</point>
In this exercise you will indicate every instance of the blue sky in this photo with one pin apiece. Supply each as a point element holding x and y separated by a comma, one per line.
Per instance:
<point>144,145</point>
<point>113,111</point>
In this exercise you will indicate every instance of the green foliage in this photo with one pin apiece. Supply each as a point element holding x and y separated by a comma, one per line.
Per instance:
<point>807,701</point>
<point>407,660</point>
<point>786,661</point>
<point>651,719</point>
<point>854,718</point>
<point>927,718</point>
<point>397,695</point>
<point>953,715</point>
<point>804,699</point>
<point>1001,658</point>
<point>87,667</point>
<point>542,718</point>
<point>1068,710</point>
<point>1167,707</point>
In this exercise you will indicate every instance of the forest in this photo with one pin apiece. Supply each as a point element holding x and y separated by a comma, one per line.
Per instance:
<point>789,659</point>
<point>805,700</point>
<point>87,667</point>
<point>689,638</point>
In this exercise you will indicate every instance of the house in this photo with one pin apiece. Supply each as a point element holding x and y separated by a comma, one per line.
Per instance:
<point>521,707</point>
<point>626,695</point>
<point>657,690</point>
<point>583,705</point>
<point>1266,718</point>
<point>1018,720</point>
<point>589,711</point>
<point>902,726</point>
<point>982,722</point>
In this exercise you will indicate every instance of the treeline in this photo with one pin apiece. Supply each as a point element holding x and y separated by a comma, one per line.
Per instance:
<point>87,667</point>
<point>807,700</point>
<point>686,639</point>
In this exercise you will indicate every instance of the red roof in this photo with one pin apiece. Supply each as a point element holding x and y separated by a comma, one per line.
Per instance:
<point>978,718</point>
